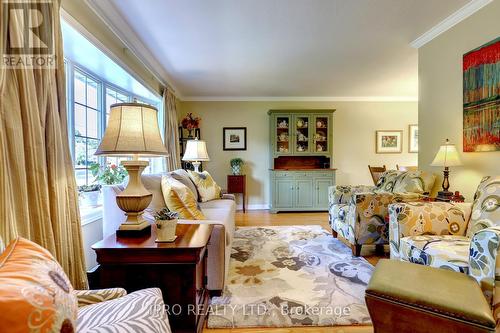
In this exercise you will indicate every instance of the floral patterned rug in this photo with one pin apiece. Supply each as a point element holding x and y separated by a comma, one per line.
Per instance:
<point>291,276</point>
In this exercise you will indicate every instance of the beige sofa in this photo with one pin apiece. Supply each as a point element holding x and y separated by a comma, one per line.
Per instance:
<point>220,213</point>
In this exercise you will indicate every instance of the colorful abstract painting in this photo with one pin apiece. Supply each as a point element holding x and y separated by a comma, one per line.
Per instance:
<point>482,98</point>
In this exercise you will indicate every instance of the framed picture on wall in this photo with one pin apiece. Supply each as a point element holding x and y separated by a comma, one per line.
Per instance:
<point>388,141</point>
<point>413,138</point>
<point>234,138</point>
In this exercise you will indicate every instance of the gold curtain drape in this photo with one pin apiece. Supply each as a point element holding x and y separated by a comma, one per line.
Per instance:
<point>38,197</point>
<point>171,130</point>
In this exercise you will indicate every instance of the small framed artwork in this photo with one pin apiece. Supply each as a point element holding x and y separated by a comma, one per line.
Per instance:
<point>413,138</point>
<point>234,138</point>
<point>388,142</point>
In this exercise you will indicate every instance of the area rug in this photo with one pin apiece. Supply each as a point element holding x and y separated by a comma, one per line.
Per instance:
<point>291,276</point>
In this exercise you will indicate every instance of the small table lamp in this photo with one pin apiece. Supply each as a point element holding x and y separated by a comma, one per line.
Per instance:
<point>133,131</point>
<point>196,152</point>
<point>446,157</point>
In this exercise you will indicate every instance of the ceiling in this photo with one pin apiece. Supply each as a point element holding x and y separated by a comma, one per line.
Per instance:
<point>284,48</point>
<point>81,51</point>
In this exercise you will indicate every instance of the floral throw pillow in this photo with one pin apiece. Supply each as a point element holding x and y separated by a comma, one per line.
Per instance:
<point>387,181</point>
<point>486,205</point>
<point>414,182</point>
<point>35,293</point>
<point>206,186</point>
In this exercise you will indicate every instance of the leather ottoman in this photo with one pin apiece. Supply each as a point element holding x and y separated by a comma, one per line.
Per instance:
<point>406,297</point>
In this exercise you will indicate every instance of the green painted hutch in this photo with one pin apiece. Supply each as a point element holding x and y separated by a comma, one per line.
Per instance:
<point>301,159</point>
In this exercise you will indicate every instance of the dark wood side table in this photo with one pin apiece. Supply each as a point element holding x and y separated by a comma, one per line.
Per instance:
<point>457,197</point>
<point>178,269</point>
<point>237,184</point>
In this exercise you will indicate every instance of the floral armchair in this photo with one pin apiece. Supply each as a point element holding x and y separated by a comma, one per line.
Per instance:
<point>460,237</point>
<point>360,214</point>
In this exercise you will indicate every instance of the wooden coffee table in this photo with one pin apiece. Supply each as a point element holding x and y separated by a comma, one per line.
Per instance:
<point>177,268</point>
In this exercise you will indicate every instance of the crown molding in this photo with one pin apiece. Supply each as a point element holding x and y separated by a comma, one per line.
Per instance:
<point>109,14</point>
<point>452,20</point>
<point>299,99</point>
<point>84,32</point>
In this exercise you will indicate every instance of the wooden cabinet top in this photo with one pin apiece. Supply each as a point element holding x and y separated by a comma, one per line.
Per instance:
<point>308,111</point>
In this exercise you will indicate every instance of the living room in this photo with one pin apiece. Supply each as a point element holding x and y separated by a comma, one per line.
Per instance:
<point>249,166</point>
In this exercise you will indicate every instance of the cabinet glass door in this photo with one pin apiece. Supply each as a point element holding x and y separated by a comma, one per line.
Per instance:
<point>302,139</point>
<point>282,134</point>
<point>321,136</point>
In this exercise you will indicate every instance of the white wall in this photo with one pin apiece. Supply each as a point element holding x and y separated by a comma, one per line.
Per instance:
<point>441,98</point>
<point>355,124</point>
<point>91,233</point>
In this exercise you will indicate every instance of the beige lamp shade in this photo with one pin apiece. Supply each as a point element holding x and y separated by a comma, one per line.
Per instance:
<point>447,156</point>
<point>196,150</point>
<point>132,130</point>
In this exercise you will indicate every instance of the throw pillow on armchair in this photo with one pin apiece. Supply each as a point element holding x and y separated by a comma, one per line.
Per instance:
<point>35,293</point>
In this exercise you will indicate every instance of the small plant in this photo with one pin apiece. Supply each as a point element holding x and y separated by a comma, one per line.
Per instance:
<point>165,214</point>
<point>89,188</point>
<point>236,162</point>
<point>109,174</point>
<point>166,224</point>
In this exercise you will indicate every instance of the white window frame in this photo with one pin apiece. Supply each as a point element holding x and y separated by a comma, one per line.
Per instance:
<point>70,68</point>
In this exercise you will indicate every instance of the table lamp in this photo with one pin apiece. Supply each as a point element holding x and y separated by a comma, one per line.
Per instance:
<point>446,157</point>
<point>196,152</point>
<point>133,131</point>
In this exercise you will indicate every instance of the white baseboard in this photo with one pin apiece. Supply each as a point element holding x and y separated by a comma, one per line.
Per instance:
<point>253,207</point>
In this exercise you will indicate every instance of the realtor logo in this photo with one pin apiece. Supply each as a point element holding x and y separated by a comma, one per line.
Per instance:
<point>30,34</point>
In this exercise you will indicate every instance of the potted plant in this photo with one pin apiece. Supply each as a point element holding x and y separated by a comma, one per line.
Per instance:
<point>190,123</point>
<point>108,175</point>
<point>89,194</point>
<point>166,225</point>
<point>236,164</point>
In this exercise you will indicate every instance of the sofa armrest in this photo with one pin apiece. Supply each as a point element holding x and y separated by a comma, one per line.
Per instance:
<point>219,252</point>
<point>88,297</point>
<point>343,194</point>
<point>228,196</point>
<point>484,262</point>
<point>425,218</point>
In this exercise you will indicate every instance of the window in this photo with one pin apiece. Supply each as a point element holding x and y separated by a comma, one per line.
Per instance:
<point>94,83</point>
<point>87,124</point>
<point>112,97</point>
<point>88,117</point>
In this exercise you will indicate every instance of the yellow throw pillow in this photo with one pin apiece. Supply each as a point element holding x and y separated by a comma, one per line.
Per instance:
<point>206,186</point>
<point>180,199</point>
<point>35,293</point>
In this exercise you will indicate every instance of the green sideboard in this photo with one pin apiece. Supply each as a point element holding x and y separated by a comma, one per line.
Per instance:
<point>300,190</point>
<point>301,158</point>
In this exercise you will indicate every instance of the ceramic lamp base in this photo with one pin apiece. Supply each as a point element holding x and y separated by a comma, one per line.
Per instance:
<point>134,199</point>
<point>196,166</point>
<point>146,230</point>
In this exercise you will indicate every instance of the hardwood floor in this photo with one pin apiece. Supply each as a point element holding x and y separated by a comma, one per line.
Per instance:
<point>264,218</point>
